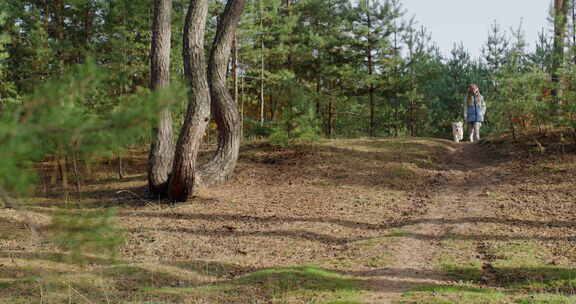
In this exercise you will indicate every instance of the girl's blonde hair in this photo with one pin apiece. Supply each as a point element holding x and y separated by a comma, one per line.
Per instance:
<point>472,91</point>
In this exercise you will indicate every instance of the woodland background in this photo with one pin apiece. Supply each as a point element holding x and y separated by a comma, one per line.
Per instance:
<point>300,68</point>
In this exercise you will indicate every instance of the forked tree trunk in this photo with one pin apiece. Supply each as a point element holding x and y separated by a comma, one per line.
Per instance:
<point>162,148</point>
<point>183,178</point>
<point>224,108</point>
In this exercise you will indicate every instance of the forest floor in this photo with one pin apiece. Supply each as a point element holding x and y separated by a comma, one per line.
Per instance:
<point>408,220</point>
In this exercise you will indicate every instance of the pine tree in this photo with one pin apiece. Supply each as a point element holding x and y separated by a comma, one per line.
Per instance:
<point>518,54</point>
<point>206,91</point>
<point>8,93</point>
<point>162,148</point>
<point>372,25</point>
<point>224,108</point>
<point>322,60</point>
<point>56,119</point>
<point>419,68</point>
<point>542,55</point>
<point>183,179</point>
<point>496,48</point>
<point>560,22</point>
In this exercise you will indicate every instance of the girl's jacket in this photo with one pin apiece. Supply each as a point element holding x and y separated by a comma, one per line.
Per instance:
<point>474,108</point>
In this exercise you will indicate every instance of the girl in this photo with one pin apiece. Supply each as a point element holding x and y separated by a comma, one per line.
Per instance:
<point>474,110</point>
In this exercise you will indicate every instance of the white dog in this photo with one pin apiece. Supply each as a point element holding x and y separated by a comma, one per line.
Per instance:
<point>458,131</point>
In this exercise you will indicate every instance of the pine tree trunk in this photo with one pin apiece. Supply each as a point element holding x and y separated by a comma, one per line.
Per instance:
<point>242,96</point>
<point>76,171</point>
<point>120,167</point>
<point>560,15</point>
<point>330,120</point>
<point>88,21</point>
<point>319,115</point>
<point>224,107</point>
<point>183,178</point>
<point>573,8</point>
<point>60,33</point>
<point>63,171</point>
<point>261,64</point>
<point>162,147</point>
<point>371,131</point>
<point>235,69</point>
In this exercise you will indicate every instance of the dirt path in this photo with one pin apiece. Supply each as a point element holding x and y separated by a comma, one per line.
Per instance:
<point>453,199</point>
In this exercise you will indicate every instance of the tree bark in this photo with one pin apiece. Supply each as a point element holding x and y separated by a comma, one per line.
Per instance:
<point>161,155</point>
<point>224,108</point>
<point>235,69</point>
<point>183,178</point>
<point>573,8</point>
<point>560,16</point>
<point>261,64</point>
<point>88,24</point>
<point>371,130</point>
<point>330,121</point>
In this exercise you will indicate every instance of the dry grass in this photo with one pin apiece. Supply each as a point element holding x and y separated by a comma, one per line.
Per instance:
<point>517,244</point>
<point>307,224</point>
<point>330,205</point>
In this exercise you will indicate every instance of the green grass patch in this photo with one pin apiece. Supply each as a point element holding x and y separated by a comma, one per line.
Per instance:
<point>380,261</point>
<point>518,266</point>
<point>523,267</point>
<point>401,172</point>
<point>393,235</point>
<point>280,285</point>
<point>7,284</point>
<point>462,266</point>
<point>454,295</point>
<point>453,289</point>
<point>133,277</point>
<point>517,273</point>
<point>547,299</point>
<point>538,279</point>
<point>397,232</point>
<point>461,273</point>
<point>518,254</point>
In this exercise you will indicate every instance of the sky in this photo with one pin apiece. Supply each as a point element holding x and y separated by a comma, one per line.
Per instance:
<point>467,21</point>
